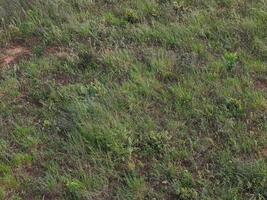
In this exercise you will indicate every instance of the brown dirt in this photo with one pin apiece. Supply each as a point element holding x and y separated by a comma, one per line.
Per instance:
<point>261,84</point>
<point>13,54</point>
<point>16,52</point>
<point>58,51</point>
<point>264,152</point>
<point>62,79</point>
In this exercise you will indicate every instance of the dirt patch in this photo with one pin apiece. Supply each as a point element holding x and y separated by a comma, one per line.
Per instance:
<point>264,152</point>
<point>261,84</point>
<point>60,52</point>
<point>62,79</point>
<point>13,54</point>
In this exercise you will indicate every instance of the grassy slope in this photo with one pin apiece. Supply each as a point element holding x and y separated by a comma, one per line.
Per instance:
<point>157,99</point>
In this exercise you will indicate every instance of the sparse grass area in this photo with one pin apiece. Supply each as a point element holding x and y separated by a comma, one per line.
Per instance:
<point>134,99</point>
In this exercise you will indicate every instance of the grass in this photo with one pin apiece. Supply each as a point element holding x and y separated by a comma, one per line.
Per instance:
<point>145,99</point>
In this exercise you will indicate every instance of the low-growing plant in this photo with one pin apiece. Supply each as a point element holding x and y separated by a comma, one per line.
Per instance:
<point>230,60</point>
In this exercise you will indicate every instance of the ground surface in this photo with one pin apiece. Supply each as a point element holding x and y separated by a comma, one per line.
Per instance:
<point>143,99</point>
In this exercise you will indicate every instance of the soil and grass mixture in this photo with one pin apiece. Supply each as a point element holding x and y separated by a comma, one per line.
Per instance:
<point>133,99</point>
